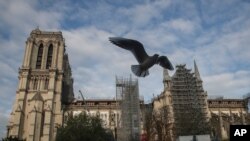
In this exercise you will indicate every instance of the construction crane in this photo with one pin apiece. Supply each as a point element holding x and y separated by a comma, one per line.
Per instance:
<point>84,103</point>
<point>81,95</point>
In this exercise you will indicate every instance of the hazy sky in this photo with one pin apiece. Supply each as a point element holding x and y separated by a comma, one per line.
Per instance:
<point>214,33</point>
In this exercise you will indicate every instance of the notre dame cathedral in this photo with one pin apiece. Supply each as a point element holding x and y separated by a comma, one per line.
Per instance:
<point>45,98</point>
<point>45,84</point>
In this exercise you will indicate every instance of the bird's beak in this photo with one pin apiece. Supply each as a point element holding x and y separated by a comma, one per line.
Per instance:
<point>115,41</point>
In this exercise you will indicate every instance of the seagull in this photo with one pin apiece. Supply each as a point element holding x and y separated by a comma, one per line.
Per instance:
<point>145,61</point>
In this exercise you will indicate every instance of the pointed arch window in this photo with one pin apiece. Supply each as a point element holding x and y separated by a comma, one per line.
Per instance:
<point>35,84</point>
<point>42,124</point>
<point>49,57</point>
<point>39,57</point>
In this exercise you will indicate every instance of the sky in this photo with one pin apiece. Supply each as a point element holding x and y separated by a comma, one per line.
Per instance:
<point>216,34</point>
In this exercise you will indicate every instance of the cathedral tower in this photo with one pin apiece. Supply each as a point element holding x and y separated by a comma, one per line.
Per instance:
<point>45,84</point>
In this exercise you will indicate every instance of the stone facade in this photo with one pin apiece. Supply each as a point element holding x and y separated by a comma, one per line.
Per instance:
<point>44,99</point>
<point>109,110</point>
<point>184,101</point>
<point>163,114</point>
<point>226,112</point>
<point>181,109</point>
<point>44,73</point>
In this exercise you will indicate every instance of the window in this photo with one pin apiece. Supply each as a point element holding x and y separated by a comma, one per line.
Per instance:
<point>42,124</point>
<point>49,57</point>
<point>35,84</point>
<point>39,57</point>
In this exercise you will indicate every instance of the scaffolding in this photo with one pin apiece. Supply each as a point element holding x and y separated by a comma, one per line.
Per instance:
<point>127,95</point>
<point>189,101</point>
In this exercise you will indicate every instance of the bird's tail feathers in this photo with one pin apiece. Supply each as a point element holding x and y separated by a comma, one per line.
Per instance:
<point>136,69</point>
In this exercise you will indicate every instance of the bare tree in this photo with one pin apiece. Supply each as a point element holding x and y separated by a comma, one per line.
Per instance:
<point>158,126</point>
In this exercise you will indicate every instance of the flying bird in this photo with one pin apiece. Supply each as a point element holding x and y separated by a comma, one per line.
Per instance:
<point>145,61</point>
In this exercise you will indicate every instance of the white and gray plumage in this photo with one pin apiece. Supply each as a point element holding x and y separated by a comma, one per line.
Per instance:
<point>145,61</point>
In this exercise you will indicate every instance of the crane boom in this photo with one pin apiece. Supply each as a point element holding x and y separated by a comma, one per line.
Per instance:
<point>83,100</point>
<point>81,95</point>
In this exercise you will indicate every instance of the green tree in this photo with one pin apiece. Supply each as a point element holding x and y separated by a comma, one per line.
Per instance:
<point>11,139</point>
<point>83,128</point>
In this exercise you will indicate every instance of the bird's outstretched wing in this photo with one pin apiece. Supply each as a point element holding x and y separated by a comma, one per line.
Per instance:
<point>165,63</point>
<point>132,45</point>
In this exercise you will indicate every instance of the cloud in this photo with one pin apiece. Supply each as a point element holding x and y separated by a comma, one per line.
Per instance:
<point>229,85</point>
<point>184,26</point>
<point>216,35</point>
<point>95,61</point>
<point>143,14</point>
<point>154,39</point>
<point>227,52</point>
<point>17,18</point>
<point>20,16</point>
<point>3,124</point>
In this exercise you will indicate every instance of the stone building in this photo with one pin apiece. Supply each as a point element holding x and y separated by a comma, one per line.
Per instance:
<point>181,109</point>
<point>45,84</point>
<point>226,112</point>
<point>44,100</point>
<point>184,109</point>
<point>121,115</point>
<point>109,110</point>
<point>163,114</point>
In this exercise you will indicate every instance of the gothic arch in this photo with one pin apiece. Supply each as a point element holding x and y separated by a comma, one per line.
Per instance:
<point>39,56</point>
<point>50,42</point>
<point>49,56</point>
<point>39,42</point>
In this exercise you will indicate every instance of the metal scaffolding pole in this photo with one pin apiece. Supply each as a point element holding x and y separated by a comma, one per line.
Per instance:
<point>127,94</point>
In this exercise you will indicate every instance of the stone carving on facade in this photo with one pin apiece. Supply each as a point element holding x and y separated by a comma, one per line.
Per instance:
<point>43,77</point>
